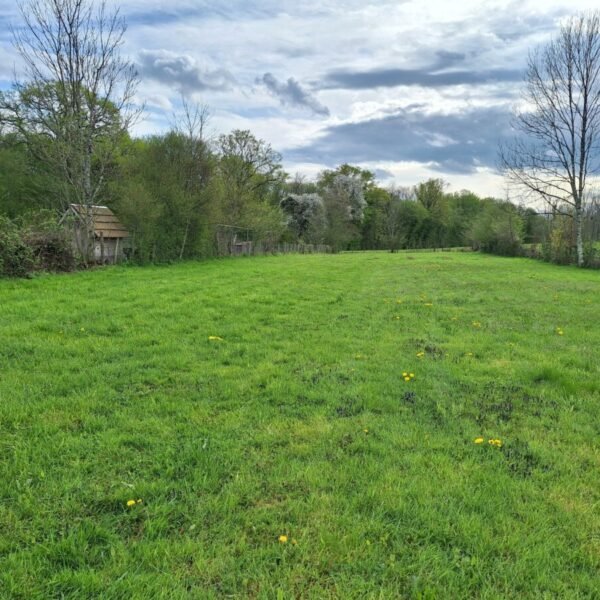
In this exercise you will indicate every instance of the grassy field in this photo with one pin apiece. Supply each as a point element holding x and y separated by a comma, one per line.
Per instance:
<point>256,417</point>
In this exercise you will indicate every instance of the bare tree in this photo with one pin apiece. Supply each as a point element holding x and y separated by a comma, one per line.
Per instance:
<point>76,99</point>
<point>559,149</point>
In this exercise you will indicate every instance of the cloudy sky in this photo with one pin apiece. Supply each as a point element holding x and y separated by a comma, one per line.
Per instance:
<point>409,89</point>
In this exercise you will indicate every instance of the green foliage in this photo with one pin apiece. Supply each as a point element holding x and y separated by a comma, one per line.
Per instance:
<point>560,243</point>
<point>16,257</point>
<point>498,229</point>
<point>298,422</point>
<point>430,193</point>
<point>35,242</point>
<point>49,242</point>
<point>24,184</point>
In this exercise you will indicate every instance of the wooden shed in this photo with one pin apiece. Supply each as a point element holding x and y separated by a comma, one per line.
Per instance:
<point>110,238</point>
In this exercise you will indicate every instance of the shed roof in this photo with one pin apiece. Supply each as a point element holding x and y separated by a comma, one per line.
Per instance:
<point>106,223</point>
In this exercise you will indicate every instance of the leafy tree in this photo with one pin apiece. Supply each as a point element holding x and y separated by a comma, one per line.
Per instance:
<point>463,208</point>
<point>306,216</point>
<point>377,221</point>
<point>343,192</point>
<point>24,183</point>
<point>498,229</point>
<point>431,195</point>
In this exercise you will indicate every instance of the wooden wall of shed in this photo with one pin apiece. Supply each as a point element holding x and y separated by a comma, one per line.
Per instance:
<point>113,250</point>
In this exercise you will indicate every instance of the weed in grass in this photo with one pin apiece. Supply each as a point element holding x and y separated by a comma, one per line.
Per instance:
<point>520,459</point>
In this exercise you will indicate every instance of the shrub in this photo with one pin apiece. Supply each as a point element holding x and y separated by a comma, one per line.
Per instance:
<point>36,243</point>
<point>49,242</point>
<point>591,256</point>
<point>16,258</point>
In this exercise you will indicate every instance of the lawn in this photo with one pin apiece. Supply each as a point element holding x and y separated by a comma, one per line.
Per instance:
<point>257,413</point>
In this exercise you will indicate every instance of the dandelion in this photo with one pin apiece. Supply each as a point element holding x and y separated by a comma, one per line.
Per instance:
<point>283,539</point>
<point>476,324</point>
<point>366,430</point>
<point>404,374</point>
<point>560,331</point>
<point>412,375</point>
<point>407,379</point>
<point>131,503</point>
<point>495,442</point>
<point>215,338</point>
<point>478,440</point>
<point>420,354</point>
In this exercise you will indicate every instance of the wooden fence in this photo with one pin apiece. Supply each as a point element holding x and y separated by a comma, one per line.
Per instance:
<point>264,248</point>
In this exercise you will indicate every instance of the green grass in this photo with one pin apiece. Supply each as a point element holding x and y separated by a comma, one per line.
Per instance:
<point>299,423</point>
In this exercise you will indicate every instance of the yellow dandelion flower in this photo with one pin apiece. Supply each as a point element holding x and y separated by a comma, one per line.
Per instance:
<point>131,502</point>
<point>283,539</point>
<point>404,374</point>
<point>478,440</point>
<point>412,375</point>
<point>366,430</point>
<point>407,378</point>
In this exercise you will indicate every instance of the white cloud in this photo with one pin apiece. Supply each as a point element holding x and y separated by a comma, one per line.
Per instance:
<point>215,51</point>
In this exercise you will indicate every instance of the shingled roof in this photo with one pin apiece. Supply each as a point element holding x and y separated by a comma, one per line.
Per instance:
<point>106,223</point>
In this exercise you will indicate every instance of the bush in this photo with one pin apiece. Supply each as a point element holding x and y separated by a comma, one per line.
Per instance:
<point>559,247</point>
<point>36,243</point>
<point>498,230</point>
<point>591,256</point>
<point>49,242</point>
<point>16,257</point>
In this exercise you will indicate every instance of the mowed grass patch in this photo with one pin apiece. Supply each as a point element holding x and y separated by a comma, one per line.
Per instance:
<point>259,409</point>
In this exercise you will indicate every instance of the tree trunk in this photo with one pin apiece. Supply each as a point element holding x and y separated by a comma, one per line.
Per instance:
<point>579,234</point>
<point>185,236</point>
<point>88,200</point>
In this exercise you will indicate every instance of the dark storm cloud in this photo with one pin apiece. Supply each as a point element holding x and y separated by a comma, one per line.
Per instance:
<point>361,80</point>
<point>455,143</point>
<point>182,72</point>
<point>200,9</point>
<point>291,93</point>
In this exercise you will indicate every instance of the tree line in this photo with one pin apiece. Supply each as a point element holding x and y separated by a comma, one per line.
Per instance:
<point>64,138</point>
<point>178,192</point>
